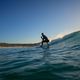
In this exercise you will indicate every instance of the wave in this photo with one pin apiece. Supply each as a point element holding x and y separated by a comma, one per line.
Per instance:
<point>68,40</point>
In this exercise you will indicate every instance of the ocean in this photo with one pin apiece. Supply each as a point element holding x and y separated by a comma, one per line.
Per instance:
<point>61,61</point>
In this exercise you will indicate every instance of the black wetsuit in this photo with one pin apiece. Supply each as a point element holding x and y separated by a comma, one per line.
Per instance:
<point>44,38</point>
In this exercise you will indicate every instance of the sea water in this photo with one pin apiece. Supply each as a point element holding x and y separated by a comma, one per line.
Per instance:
<point>61,61</point>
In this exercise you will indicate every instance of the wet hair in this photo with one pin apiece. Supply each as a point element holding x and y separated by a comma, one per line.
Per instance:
<point>42,33</point>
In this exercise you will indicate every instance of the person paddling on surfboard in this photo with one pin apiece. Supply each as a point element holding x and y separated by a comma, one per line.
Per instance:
<point>44,39</point>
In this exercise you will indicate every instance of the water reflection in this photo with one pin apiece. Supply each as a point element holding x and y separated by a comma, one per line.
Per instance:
<point>46,55</point>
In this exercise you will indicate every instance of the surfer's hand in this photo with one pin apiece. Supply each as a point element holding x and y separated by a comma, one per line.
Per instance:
<point>41,36</point>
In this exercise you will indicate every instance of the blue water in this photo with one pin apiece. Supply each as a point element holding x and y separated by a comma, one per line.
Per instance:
<point>61,61</point>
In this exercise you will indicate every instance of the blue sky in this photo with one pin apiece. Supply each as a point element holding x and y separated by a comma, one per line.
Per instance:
<point>23,21</point>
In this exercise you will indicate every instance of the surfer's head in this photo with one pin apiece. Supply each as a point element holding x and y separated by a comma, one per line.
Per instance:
<point>42,33</point>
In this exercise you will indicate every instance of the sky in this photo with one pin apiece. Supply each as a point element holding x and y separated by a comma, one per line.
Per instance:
<point>23,21</point>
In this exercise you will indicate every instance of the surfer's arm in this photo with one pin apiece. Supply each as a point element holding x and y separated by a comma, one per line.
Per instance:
<point>41,37</point>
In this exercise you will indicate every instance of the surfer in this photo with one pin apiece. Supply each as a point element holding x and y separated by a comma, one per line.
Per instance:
<point>44,39</point>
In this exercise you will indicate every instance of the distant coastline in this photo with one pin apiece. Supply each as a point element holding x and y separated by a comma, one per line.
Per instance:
<point>9,45</point>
